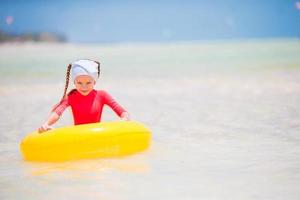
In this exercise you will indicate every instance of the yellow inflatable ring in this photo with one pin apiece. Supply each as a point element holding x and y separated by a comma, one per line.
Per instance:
<point>98,140</point>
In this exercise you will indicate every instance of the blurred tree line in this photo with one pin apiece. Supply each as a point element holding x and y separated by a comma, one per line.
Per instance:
<point>35,37</point>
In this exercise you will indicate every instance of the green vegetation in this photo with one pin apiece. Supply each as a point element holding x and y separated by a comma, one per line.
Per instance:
<point>36,37</point>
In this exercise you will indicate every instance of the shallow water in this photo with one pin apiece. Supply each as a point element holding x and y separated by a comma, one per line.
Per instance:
<point>224,117</point>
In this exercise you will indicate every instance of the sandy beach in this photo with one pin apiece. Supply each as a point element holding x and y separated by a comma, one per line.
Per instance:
<point>224,118</point>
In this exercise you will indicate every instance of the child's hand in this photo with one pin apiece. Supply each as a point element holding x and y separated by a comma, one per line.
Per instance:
<point>125,116</point>
<point>44,127</point>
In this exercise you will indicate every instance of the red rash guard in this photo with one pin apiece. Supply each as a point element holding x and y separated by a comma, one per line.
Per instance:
<point>88,109</point>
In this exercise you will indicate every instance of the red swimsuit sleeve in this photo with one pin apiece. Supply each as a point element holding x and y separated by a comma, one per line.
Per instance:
<point>113,104</point>
<point>60,108</point>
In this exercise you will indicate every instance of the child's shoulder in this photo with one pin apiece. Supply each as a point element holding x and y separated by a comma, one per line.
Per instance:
<point>71,93</point>
<point>101,92</point>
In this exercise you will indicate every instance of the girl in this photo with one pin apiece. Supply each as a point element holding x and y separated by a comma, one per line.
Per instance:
<point>86,102</point>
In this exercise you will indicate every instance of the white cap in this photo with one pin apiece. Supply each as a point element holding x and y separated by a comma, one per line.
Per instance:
<point>84,67</point>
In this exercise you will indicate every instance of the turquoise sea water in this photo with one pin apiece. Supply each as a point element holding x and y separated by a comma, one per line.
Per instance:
<point>224,117</point>
<point>152,60</point>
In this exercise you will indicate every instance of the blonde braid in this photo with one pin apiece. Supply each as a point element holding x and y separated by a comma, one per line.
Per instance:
<point>98,68</point>
<point>67,82</point>
<point>66,87</point>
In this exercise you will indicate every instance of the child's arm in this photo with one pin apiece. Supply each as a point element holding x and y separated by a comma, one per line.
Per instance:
<point>125,116</point>
<point>54,116</point>
<point>51,120</point>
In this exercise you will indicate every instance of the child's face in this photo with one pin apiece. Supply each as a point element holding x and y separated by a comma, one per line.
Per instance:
<point>84,84</point>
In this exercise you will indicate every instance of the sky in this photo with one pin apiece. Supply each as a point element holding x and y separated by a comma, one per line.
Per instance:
<point>104,21</point>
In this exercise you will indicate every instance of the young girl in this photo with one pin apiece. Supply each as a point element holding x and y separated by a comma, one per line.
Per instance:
<point>86,102</point>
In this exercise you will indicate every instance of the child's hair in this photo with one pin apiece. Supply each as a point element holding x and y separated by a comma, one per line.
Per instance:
<point>67,83</point>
